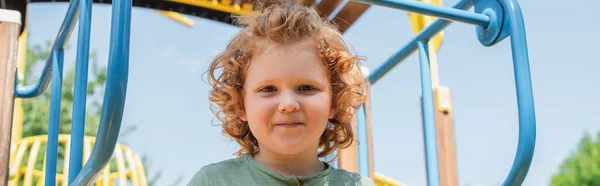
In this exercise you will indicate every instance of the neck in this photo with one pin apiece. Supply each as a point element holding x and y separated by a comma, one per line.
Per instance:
<point>303,164</point>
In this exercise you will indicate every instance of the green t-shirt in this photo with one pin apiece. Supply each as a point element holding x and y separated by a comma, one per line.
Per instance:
<point>246,170</point>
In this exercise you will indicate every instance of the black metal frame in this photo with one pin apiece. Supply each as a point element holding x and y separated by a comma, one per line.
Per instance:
<point>223,17</point>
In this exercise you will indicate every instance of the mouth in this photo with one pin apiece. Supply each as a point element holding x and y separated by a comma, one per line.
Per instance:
<point>290,125</point>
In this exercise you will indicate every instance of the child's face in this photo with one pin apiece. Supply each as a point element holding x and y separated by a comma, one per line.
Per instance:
<point>287,99</point>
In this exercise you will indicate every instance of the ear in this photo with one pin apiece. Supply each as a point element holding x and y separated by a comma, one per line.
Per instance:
<point>242,115</point>
<point>332,112</point>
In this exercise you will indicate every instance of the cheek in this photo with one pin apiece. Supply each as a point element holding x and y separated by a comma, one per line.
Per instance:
<point>259,110</point>
<point>318,108</point>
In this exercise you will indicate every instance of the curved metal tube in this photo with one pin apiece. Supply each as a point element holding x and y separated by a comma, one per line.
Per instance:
<point>515,27</point>
<point>114,98</point>
<point>59,44</point>
<point>526,107</point>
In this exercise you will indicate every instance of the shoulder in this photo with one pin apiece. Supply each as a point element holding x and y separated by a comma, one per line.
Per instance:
<point>217,172</point>
<point>225,166</point>
<point>356,178</point>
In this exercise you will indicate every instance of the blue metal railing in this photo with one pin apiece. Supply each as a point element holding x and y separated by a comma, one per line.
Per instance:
<point>58,45</point>
<point>80,88</point>
<point>431,30</point>
<point>431,156</point>
<point>54,120</point>
<point>114,98</point>
<point>362,134</point>
<point>495,20</point>
<point>456,14</point>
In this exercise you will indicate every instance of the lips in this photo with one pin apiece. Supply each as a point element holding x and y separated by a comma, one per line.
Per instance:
<point>289,124</point>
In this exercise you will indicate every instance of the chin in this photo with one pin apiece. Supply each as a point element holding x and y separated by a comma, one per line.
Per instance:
<point>290,149</point>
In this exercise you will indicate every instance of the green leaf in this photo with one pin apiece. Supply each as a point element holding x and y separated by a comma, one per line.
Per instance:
<point>582,167</point>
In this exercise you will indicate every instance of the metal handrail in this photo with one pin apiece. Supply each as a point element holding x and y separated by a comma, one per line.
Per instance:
<point>115,90</point>
<point>504,18</point>
<point>62,38</point>
<point>114,98</point>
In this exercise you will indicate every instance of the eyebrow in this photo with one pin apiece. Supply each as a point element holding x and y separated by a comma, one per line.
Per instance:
<point>263,82</point>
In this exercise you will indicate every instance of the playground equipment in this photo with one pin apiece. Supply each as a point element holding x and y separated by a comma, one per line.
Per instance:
<point>494,20</point>
<point>124,168</point>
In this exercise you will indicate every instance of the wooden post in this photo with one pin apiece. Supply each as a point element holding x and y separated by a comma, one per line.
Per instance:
<point>348,157</point>
<point>10,25</point>
<point>445,137</point>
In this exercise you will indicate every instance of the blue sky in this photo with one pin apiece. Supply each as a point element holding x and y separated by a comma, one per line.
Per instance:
<point>168,98</point>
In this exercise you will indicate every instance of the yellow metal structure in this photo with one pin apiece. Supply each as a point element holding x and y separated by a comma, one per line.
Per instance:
<point>223,5</point>
<point>18,110</point>
<point>220,5</point>
<point>382,180</point>
<point>27,163</point>
<point>177,17</point>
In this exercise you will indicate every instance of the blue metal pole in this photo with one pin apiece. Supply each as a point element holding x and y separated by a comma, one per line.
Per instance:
<point>363,152</point>
<point>525,103</point>
<point>431,30</point>
<point>80,89</point>
<point>431,156</point>
<point>114,98</point>
<point>54,118</point>
<point>433,10</point>
<point>59,43</point>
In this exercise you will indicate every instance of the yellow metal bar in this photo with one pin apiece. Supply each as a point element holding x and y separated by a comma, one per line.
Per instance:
<point>11,172</point>
<point>177,17</point>
<point>132,167</point>
<point>43,176</point>
<point>65,172</point>
<point>382,180</point>
<point>16,162</point>
<point>17,123</point>
<point>31,163</point>
<point>224,5</point>
<point>140,169</point>
<point>120,166</point>
<point>17,126</point>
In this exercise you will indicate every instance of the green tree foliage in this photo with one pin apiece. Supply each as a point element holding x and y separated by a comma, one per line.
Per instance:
<point>581,168</point>
<point>36,110</point>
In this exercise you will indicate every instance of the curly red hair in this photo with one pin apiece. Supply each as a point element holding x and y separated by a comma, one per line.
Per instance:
<point>287,24</point>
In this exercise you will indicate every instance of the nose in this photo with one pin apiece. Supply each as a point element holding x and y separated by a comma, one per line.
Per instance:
<point>288,102</point>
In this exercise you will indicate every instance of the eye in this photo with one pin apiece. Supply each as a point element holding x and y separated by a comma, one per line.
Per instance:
<point>306,88</point>
<point>268,89</point>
